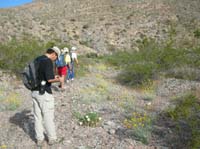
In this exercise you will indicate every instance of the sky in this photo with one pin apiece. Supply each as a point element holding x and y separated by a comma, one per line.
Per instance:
<point>12,3</point>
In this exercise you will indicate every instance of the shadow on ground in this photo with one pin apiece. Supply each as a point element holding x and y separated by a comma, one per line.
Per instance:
<point>169,133</point>
<point>25,120</point>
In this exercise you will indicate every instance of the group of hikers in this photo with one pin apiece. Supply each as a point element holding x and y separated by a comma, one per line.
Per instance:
<point>65,65</point>
<point>43,100</point>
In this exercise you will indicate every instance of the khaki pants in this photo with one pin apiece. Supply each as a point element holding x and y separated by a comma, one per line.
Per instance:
<point>43,108</point>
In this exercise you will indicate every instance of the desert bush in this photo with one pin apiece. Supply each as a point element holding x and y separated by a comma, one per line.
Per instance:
<point>137,74</point>
<point>186,110</point>
<point>118,59</point>
<point>15,54</point>
<point>141,125</point>
<point>197,33</point>
<point>152,60</point>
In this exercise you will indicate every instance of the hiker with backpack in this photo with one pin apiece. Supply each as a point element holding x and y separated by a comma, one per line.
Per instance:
<point>74,60</point>
<point>61,66</point>
<point>41,72</point>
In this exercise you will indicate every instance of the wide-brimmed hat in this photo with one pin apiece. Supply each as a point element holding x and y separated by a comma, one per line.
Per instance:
<point>57,50</point>
<point>65,50</point>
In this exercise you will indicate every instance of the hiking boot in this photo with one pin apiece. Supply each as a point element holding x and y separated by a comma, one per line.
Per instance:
<point>40,143</point>
<point>53,142</point>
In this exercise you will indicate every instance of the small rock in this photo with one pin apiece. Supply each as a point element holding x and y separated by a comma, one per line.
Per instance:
<point>111,131</point>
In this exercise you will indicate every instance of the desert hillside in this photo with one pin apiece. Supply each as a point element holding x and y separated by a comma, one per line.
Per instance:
<point>137,85</point>
<point>102,25</point>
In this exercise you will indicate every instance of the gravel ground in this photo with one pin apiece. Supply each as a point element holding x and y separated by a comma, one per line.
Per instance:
<point>99,93</point>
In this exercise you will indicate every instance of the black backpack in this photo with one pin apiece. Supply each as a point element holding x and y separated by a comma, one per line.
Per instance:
<point>30,75</point>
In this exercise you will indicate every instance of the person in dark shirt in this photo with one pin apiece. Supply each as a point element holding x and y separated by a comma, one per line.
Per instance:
<point>43,100</point>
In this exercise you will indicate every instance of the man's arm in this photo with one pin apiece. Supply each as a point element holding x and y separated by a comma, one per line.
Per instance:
<point>56,79</point>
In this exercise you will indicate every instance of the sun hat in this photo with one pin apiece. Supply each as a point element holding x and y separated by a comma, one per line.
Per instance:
<point>73,48</point>
<point>57,50</point>
<point>65,50</point>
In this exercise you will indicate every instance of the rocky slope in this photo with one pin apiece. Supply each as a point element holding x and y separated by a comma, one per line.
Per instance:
<point>103,25</point>
<point>96,92</point>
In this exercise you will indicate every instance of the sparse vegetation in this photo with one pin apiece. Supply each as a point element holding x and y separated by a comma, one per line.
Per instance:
<point>141,125</point>
<point>152,61</point>
<point>9,101</point>
<point>17,53</point>
<point>149,91</point>
<point>186,111</point>
<point>12,101</point>
<point>89,119</point>
<point>86,42</point>
<point>84,63</point>
<point>129,87</point>
<point>197,33</point>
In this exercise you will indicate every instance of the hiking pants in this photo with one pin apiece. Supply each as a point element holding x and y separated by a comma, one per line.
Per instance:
<point>43,108</point>
<point>71,71</point>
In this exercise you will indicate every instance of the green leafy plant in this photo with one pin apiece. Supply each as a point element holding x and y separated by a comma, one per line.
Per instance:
<point>187,110</point>
<point>197,33</point>
<point>89,119</point>
<point>141,125</point>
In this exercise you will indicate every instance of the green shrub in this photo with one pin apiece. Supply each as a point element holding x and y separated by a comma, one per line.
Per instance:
<point>142,134</point>
<point>187,110</point>
<point>152,60</point>
<point>137,74</point>
<point>15,54</point>
<point>141,125</point>
<point>197,33</point>
<point>118,59</point>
